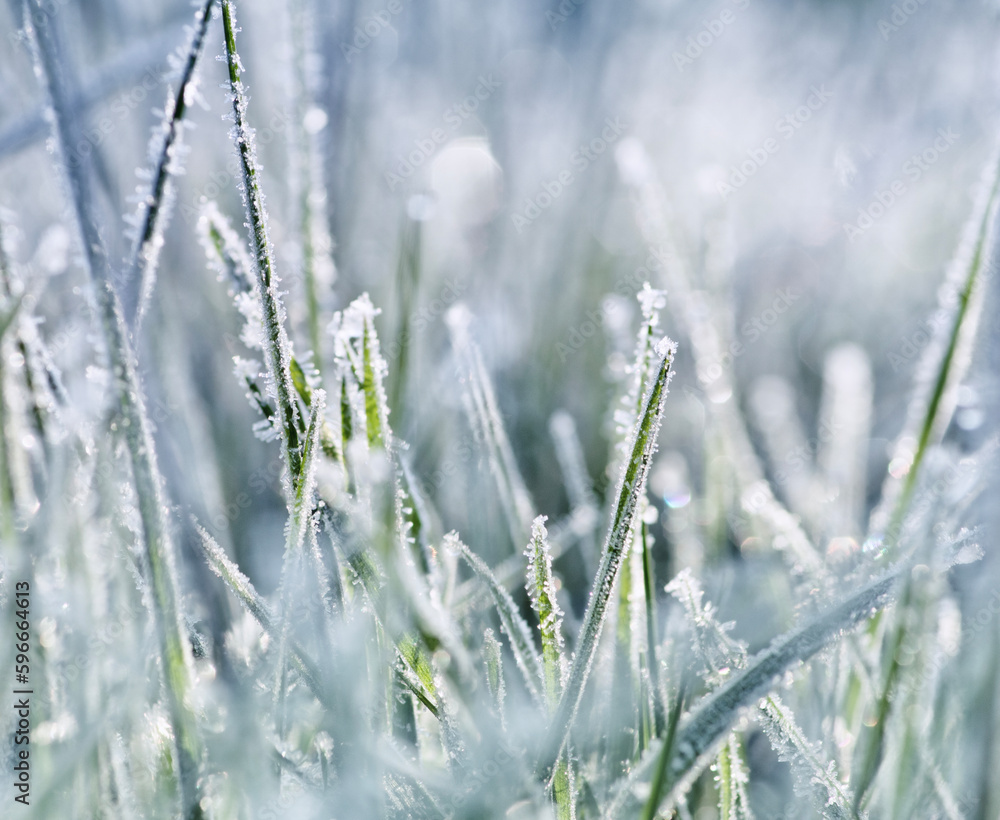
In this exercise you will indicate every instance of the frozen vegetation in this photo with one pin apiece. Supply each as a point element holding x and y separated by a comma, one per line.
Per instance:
<point>349,467</point>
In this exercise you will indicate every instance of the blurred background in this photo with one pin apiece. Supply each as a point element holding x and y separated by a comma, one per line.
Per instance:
<point>469,121</point>
<point>819,160</point>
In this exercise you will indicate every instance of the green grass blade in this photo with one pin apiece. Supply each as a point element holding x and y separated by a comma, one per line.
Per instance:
<point>493,660</point>
<point>300,520</point>
<point>407,286</point>
<point>720,655</point>
<point>521,643</point>
<point>542,594</point>
<point>154,207</point>
<point>276,346</point>
<point>734,804</point>
<point>652,642</point>
<point>373,379</point>
<point>663,756</point>
<point>252,601</point>
<point>630,490</point>
<point>961,298</point>
<point>356,350</point>
<point>413,656</point>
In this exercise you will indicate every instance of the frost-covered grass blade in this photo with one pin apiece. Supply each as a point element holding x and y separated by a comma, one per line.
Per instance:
<point>630,491</point>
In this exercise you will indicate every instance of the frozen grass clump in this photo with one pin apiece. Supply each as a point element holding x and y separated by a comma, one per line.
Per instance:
<point>711,631</point>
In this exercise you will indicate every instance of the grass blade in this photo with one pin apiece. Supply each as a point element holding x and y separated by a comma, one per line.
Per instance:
<point>734,804</point>
<point>929,410</point>
<point>518,632</point>
<point>154,205</point>
<point>831,798</point>
<point>306,173</point>
<point>542,593</point>
<point>252,601</point>
<point>663,757</point>
<point>300,520</point>
<point>493,660</point>
<point>721,654</point>
<point>159,549</point>
<point>715,715</point>
<point>630,491</point>
<point>944,363</point>
<point>484,417</point>
<point>277,349</point>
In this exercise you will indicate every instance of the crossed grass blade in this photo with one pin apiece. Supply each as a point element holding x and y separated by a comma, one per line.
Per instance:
<point>630,491</point>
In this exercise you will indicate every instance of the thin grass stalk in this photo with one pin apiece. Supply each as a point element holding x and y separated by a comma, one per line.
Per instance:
<point>660,780</point>
<point>159,549</point>
<point>307,174</point>
<point>407,286</point>
<point>300,521</point>
<point>624,718</point>
<point>631,489</point>
<point>927,410</point>
<point>153,207</point>
<point>417,672</point>
<point>254,603</point>
<point>542,593</point>
<point>8,533</point>
<point>484,418</point>
<point>7,501</point>
<point>652,642</point>
<point>521,643</point>
<point>276,346</point>
<point>631,625</point>
<point>734,803</point>
<point>582,499</point>
<point>39,376</point>
<point>831,797</point>
<point>720,654</point>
